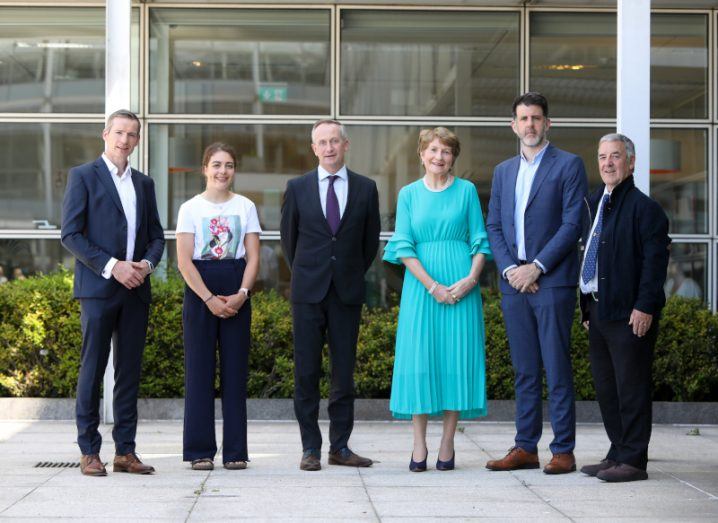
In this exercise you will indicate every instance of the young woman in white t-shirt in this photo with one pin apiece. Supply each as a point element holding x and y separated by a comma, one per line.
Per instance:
<point>218,256</point>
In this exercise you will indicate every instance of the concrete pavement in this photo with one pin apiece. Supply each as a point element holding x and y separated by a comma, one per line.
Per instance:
<point>682,485</point>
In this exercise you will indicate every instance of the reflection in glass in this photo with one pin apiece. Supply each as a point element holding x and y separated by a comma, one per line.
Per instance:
<point>413,63</point>
<point>679,177</point>
<point>267,155</point>
<point>22,258</point>
<point>582,141</point>
<point>679,65</point>
<point>247,61</point>
<point>36,158</point>
<point>687,271</point>
<point>573,63</point>
<point>53,59</point>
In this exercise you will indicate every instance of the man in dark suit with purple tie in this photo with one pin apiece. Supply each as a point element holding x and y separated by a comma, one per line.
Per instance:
<point>110,223</point>
<point>330,235</point>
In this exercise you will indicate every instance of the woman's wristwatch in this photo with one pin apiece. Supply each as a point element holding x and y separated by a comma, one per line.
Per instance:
<point>246,291</point>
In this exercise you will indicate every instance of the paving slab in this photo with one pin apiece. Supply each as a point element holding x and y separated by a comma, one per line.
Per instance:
<point>682,485</point>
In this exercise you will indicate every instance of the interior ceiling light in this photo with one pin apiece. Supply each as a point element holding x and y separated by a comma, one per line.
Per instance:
<point>568,67</point>
<point>196,63</point>
<point>54,45</point>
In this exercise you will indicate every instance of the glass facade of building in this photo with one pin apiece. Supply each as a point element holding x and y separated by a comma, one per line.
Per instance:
<point>257,77</point>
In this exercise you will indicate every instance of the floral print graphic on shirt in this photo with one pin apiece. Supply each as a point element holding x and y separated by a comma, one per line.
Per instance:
<point>221,238</point>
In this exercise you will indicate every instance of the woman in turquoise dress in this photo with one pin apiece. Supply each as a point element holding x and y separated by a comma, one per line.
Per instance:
<point>441,239</point>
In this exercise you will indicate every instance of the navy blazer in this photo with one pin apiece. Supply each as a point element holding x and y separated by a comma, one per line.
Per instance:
<point>552,220</point>
<point>633,253</point>
<point>94,228</point>
<point>316,256</point>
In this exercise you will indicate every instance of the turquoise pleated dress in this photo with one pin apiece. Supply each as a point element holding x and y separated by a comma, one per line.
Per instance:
<point>439,363</point>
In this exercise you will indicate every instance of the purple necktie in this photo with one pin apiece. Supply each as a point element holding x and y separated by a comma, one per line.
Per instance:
<point>332,206</point>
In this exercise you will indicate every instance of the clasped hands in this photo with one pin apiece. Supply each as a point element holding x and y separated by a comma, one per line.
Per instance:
<point>131,274</point>
<point>226,306</point>
<point>524,278</point>
<point>452,294</point>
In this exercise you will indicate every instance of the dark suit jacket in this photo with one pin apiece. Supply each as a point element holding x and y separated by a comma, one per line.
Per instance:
<point>318,258</point>
<point>633,253</point>
<point>94,228</point>
<point>552,220</point>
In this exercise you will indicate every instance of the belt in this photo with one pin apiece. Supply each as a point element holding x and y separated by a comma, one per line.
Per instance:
<point>522,262</point>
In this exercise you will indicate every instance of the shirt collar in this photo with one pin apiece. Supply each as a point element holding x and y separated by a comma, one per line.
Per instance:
<point>538,156</point>
<point>323,173</point>
<point>113,168</point>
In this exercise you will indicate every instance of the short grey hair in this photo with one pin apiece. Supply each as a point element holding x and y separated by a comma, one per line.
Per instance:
<point>342,129</point>
<point>618,137</point>
<point>123,113</point>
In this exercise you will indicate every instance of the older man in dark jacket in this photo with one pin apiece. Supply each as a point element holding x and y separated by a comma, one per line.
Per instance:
<point>622,276</point>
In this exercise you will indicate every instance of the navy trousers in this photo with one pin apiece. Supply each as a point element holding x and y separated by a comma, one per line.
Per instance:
<point>621,364</point>
<point>337,323</point>
<point>121,318</point>
<point>538,327</point>
<point>204,333</point>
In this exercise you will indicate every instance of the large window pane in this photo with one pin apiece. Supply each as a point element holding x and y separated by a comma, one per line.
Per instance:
<point>33,172</point>
<point>22,258</point>
<point>573,63</point>
<point>679,66</point>
<point>687,275</point>
<point>249,61</point>
<point>679,177</point>
<point>267,155</point>
<point>582,141</point>
<point>413,63</point>
<point>53,59</point>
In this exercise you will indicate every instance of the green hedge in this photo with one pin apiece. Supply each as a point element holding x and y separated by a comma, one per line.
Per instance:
<point>40,342</point>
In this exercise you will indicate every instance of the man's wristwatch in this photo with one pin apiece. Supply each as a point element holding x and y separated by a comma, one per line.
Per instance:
<point>150,265</point>
<point>246,291</point>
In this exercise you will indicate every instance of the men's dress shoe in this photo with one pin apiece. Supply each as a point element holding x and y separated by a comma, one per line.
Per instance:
<point>561,463</point>
<point>418,466</point>
<point>445,465</point>
<point>90,465</point>
<point>516,459</point>
<point>310,460</point>
<point>132,464</point>
<point>592,470</point>
<point>622,472</point>
<point>347,457</point>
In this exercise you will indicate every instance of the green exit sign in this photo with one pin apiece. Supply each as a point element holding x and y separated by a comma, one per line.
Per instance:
<point>272,93</point>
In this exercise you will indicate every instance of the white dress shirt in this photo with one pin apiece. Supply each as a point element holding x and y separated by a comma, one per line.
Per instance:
<point>126,190</point>
<point>524,181</point>
<point>341,186</point>
<point>592,285</point>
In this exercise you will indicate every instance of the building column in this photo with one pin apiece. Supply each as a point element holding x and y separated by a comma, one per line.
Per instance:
<point>117,96</point>
<point>633,96</point>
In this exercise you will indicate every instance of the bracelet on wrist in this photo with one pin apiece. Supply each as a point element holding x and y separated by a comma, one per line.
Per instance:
<point>433,287</point>
<point>210,297</point>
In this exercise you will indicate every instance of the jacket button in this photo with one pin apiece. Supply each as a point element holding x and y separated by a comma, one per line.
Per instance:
<point>333,258</point>
<point>334,238</point>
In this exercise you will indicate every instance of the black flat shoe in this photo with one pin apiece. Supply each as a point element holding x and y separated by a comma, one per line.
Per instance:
<point>418,466</point>
<point>445,465</point>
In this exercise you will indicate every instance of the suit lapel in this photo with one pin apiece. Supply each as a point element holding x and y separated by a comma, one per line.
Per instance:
<point>139,197</point>
<point>510,191</point>
<point>351,197</point>
<point>547,161</point>
<point>313,181</point>
<point>105,177</point>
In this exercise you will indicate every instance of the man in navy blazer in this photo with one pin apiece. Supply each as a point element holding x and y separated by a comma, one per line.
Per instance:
<point>534,224</point>
<point>330,235</point>
<point>110,223</point>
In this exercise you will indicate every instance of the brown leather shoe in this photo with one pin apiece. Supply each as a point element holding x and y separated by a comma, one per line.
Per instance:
<point>90,465</point>
<point>561,463</point>
<point>310,461</point>
<point>348,458</point>
<point>516,459</point>
<point>132,464</point>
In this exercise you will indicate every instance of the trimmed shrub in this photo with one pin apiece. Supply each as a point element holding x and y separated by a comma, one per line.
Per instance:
<point>40,341</point>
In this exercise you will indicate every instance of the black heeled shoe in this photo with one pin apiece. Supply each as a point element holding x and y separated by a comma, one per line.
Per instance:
<point>418,466</point>
<point>446,465</point>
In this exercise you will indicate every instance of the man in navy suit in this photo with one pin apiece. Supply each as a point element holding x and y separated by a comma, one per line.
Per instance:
<point>110,223</point>
<point>330,235</point>
<point>534,224</point>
